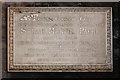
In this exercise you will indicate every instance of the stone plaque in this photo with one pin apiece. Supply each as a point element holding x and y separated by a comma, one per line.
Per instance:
<point>62,39</point>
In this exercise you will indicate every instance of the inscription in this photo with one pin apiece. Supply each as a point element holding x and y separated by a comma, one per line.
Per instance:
<point>32,17</point>
<point>42,31</point>
<point>55,37</point>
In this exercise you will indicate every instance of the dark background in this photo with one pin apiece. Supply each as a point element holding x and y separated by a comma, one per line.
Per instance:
<point>116,44</point>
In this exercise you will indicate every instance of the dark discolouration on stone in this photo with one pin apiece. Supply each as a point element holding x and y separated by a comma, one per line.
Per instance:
<point>0,40</point>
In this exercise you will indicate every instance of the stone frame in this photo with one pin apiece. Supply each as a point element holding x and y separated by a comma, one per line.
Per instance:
<point>108,67</point>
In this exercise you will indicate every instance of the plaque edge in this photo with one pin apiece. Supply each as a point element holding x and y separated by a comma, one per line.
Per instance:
<point>50,70</point>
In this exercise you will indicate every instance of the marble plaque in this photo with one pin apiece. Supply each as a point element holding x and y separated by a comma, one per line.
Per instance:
<point>60,39</point>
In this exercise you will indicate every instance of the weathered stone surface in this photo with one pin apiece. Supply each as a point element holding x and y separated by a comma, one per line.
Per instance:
<point>60,36</point>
